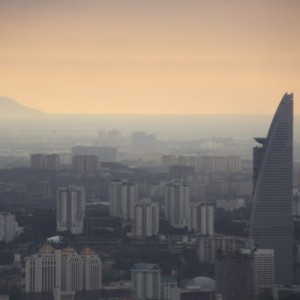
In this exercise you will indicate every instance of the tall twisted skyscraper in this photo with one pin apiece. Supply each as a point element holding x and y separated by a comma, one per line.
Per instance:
<point>272,224</point>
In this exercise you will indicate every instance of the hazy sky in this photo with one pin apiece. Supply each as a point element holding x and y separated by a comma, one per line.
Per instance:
<point>150,56</point>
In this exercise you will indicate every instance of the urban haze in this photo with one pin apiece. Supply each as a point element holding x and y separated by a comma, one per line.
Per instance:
<point>149,150</point>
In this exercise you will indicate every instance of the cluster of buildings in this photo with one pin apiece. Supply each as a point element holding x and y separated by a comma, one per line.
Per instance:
<point>105,154</point>
<point>64,269</point>
<point>244,268</point>
<point>179,211</point>
<point>265,261</point>
<point>48,162</point>
<point>85,159</point>
<point>203,164</point>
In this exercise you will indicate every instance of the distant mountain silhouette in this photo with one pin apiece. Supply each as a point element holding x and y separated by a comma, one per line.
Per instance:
<point>10,109</point>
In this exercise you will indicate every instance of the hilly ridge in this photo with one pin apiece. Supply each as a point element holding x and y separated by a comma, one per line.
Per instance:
<point>10,109</point>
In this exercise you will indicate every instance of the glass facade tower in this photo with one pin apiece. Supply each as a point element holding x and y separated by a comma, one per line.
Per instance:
<point>272,223</point>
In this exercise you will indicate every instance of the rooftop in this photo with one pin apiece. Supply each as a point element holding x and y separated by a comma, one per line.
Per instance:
<point>145,267</point>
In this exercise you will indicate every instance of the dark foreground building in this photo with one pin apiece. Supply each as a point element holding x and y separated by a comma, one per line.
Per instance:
<point>234,275</point>
<point>272,223</point>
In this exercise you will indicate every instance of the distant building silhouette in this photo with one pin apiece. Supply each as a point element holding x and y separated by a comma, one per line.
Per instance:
<point>142,140</point>
<point>168,160</point>
<point>106,154</point>
<point>181,171</point>
<point>272,223</point>
<point>48,162</point>
<point>203,164</point>
<point>85,163</point>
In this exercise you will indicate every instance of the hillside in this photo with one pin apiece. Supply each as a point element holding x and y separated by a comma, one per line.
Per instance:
<point>10,109</point>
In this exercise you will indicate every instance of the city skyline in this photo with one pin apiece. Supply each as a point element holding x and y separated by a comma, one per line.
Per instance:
<point>132,57</point>
<point>167,218</point>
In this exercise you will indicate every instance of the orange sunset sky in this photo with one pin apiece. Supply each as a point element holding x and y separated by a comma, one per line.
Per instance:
<point>150,56</point>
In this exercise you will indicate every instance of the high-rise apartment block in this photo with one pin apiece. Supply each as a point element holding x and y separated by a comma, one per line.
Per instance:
<point>70,209</point>
<point>145,281</point>
<point>123,195</point>
<point>145,221</point>
<point>177,203</point>
<point>49,269</point>
<point>48,162</point>
<point>272,222</point>
<point>8,227</point>
<point>201,218</point>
